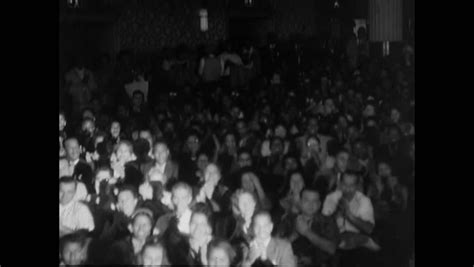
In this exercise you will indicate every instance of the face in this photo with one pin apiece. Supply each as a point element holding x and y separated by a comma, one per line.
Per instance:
<point>193,143</point>
<point>88,126</point>
<point>280,131</point>
<point>141,227</point>
<point>199,226</point>
<point>241,128</point>
<point>341,161</point>
<point>126,203</point>
<point>123,153</point>
<point>384,170</point>
<point>313,144</point>
<point>313,127</point>
<point>72,150</point>
<point>115,129</point>
<point>62,122</point>
<point>247,183</point>
<point>230,141</point>
<point>161,153</point>
<point>296,182</point>
<point>369,111</point>
<point>342,122</point>
<point>218,258</point>
<point>394,135</point>
<point>137,100</point>
<point>244,160</point>
<point>276,147</point>
<point>202,161</point>
<point>329,106</point>
<point>153,256</point>
<point>395,116</point>
<point>262,227</point>
<point>73,254</point>
<point>212,174</point>
<point>310,203</point>
<point>181,198</point>
<point>349,186</point>
<point>246,205</point>
<point>66,192</point>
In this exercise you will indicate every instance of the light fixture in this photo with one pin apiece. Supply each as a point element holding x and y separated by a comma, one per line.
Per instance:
<point>73,3</point>
<point>203,21</point>
<point>336,4</point>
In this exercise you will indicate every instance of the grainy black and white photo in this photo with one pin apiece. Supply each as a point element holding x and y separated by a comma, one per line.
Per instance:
<point>237,133</point>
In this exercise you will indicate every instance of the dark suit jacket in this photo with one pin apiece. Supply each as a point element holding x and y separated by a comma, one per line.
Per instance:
<point>83,172</point>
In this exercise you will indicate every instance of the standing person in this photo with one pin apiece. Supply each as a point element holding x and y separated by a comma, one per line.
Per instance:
<point>125,171</point>
<point>80,84</point>
<point>210,67</point>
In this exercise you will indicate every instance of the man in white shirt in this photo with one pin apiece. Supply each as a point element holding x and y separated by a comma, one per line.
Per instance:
<point>73,215</point>
<point>354,214</point>
<point>266,247</point>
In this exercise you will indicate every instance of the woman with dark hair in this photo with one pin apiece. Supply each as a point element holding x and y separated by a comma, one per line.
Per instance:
<point>220,253</point>
<point>291,200</point>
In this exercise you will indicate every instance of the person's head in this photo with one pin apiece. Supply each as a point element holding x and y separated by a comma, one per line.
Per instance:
<point>124,152</point>
<point>244,203</point>
<point>394,134</point>
<point>127,200</point>
<point>280,131</point>
<point>342,160</point>
<point>153,253</point>
<point>329,106</point>
<point>181,196</point>
<point>313,143</point>
<point>62,121</point>
<point>310,201</point>
<point>67,189</point>
<point>212,174</point>
<point>202,161</point>
<point>296,182</point>
<point>395,115</point>
<point>384,169</point>
<point>369,111</point>
<point>73,248</point>
<point>88,114</point>
<point>138,98</point>
<point>262,225</point>
<point>199,225</point>
<point>277,146</point>
<point>220,253</point>
<point>241,128</point>
<point>88,126</point>
<point>146,134</point>
<point>291,163</point>
<point>142,223</point>
<point>192,142</point>
<point>312,126</point>
<point>73,150</point>
<point>245,159</point>
<point>115,129</point>
<point>342,122</point>
<point>360,150</point>
<point>349,184</point>
<point>161,152</point>
<point>230,141</point>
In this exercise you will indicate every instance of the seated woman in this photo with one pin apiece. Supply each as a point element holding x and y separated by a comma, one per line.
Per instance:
<point>124,171</point>
<point>291,201</point>
<point>220,254</point>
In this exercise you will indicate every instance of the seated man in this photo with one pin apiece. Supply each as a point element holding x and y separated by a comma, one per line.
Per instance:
<point>355,219</point>
<point>313,235</point>
<point>265,247</point>
<point>179,219</point>
<point>162,168</point>
<point>81,170</point>
<point>117,226</point>
<point>73,215</point>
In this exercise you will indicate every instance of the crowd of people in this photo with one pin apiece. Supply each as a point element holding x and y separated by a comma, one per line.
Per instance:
<point>283,155</point>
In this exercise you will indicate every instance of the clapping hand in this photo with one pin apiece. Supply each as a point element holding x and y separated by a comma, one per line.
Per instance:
<point>302,226</point>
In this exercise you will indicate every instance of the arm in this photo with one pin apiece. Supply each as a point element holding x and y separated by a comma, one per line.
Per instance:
<point>322,243</point>
<point>288,258</point>
<point>366,223</point>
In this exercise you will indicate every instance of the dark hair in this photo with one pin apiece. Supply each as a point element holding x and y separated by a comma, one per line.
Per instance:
<point>129,188</point>
<point>79,237</point>
<point>202,208</point>
<point>351,173</point>
<point>223,244</point>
